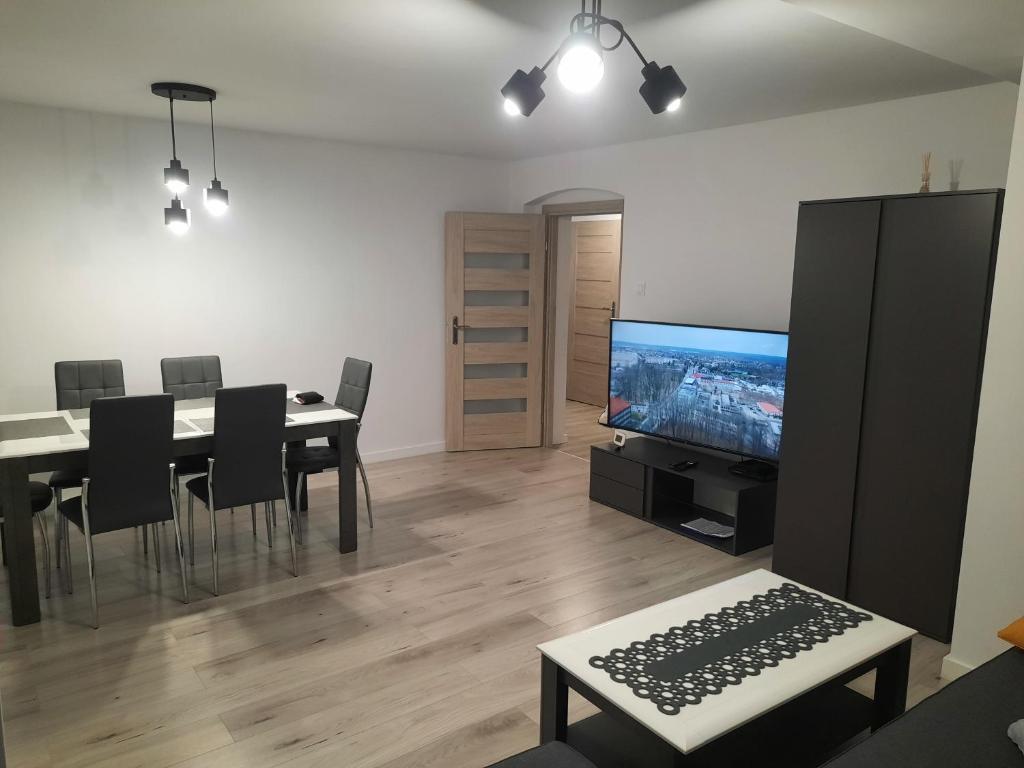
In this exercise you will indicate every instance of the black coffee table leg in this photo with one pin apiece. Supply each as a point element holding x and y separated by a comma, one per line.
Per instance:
<point>554,702</point>
<point>891,685</point>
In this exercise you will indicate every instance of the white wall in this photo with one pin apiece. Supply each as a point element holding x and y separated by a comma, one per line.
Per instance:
<point>991,593</point>
<point>710,220</point>
<point>328,250</point>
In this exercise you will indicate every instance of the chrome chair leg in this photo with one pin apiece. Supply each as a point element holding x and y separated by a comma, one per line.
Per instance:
<point>46,549</point>
<point>90,559</point>
<point>366,487</point>
<point>270,533</point>
<point>252,512</point>
<point>176,514</point>
<point>156,545</point>
<point>191,532</point>
<point>212,506</point>
<point>68,585</point>
<point>213,548</point>
<point>273,513</point>
<point>56,526</point>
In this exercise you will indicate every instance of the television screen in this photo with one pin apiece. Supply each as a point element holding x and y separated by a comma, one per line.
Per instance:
<point>715,387</point>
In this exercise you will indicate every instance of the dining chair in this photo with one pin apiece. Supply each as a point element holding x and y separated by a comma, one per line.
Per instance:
<point>40,497</point>
<point>248,461</point>
<point>306,460</point>
<point>131,479</point>
<point>77,384</point>
<point>191,378</point>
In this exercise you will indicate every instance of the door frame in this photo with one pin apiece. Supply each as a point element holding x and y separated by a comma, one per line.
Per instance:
<point>552,213</point>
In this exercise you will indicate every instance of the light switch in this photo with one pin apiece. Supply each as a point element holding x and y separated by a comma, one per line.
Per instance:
<point>641,288</point>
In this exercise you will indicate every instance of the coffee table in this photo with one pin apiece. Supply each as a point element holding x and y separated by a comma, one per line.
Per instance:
<point>698,667</point>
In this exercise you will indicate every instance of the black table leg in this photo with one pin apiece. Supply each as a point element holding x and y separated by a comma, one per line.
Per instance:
<point>891,685</point>
<point>19,541</point>
<point>554,702</point>
<point>347,534</point>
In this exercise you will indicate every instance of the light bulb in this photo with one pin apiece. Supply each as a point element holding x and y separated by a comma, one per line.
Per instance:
<point>216,198</point>
<point>674,105</point>
<point>511,108</point>
<point>177,218</point>
<point>176,177</point>
<point>581,67</point>
<point>178,227</point>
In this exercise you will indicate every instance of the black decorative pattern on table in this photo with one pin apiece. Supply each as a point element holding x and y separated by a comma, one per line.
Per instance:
<point>683,665</point>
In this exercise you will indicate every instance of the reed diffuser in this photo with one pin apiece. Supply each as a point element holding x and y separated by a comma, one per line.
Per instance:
<point>926,172</point>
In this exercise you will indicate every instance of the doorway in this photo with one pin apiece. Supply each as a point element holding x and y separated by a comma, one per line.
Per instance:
<point>584,264</point>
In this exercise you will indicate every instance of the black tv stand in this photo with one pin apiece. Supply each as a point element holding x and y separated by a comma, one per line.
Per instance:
<point>645,478</point>
<point>755,469</point>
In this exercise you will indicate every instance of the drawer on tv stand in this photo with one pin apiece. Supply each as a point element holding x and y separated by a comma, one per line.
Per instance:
<point>615,467</point>
<point>617,495</point>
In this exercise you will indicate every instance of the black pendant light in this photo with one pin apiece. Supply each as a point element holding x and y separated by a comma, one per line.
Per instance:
<point>177,217</point>
<point>215,196</point>
<point>175,177</point>
<point>581,67</point>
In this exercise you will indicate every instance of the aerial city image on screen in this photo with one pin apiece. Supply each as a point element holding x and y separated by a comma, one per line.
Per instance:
<point>710,386</point>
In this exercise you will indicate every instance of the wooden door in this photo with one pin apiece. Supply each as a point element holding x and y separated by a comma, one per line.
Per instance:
<point>494,298</point>
<point>596,255</point>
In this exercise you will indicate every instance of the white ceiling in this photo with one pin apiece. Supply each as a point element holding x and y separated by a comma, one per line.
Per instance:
<point>425,74</point>
<point>986,36</point>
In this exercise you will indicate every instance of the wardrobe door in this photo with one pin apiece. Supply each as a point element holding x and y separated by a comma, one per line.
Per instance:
<point>933,282</point>
<point>829,324</point>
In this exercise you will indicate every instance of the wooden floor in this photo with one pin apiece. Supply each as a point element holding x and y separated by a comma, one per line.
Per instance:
<point>419,650</point>
<point>582,429</point>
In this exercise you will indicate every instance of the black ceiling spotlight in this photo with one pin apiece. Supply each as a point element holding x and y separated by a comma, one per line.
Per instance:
<point>663,90</point>
<point>178,218</point>
<point>523,92</point>
<point>581,67</point>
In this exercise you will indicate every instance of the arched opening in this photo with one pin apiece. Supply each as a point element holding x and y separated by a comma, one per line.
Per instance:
<point>584,229</point>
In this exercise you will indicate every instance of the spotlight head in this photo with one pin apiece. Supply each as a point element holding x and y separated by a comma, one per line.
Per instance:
<point>176,177</point>
<point>662,89</point>
<point>523,93</point>
<point>216,198</point>
<point>581,66</point>
<point>176,218</point>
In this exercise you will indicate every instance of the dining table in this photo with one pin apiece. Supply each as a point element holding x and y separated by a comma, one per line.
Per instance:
<point>46,441</point>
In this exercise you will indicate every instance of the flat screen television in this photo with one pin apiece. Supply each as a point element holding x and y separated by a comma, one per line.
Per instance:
<point>720,388</point>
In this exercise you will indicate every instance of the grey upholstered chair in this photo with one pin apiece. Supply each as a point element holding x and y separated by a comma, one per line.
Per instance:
<point>310,459</point>
<point>247,465</point>
<point>131,480</point>
<point>190,378</point>
<point>78,383</point>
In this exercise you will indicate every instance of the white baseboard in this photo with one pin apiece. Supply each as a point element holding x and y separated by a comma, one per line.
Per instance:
<point>952,668</point>
<point>402,453</point>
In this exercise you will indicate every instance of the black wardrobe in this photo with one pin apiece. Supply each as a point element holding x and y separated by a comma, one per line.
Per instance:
<point>887,339</point>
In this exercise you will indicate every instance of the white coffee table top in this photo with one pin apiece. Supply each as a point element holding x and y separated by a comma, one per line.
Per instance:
<point>801,613</point>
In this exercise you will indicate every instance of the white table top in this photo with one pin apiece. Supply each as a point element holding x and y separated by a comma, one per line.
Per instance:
<point>192,418</point>
<point>755,694</point>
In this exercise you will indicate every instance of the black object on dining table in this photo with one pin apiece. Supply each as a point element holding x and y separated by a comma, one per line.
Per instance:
<point>308,398</point>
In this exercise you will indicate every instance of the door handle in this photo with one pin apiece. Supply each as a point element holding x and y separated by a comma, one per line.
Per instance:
<point>456,328</point>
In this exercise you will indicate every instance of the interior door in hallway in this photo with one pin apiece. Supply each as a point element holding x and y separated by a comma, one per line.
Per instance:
<point>494,298</point>
<point>597,246</point>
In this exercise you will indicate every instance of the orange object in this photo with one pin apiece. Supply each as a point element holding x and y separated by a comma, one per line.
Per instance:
<point>1014,633</point>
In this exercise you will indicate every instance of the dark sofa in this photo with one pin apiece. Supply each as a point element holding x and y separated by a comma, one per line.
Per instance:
<point>962,726</point>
